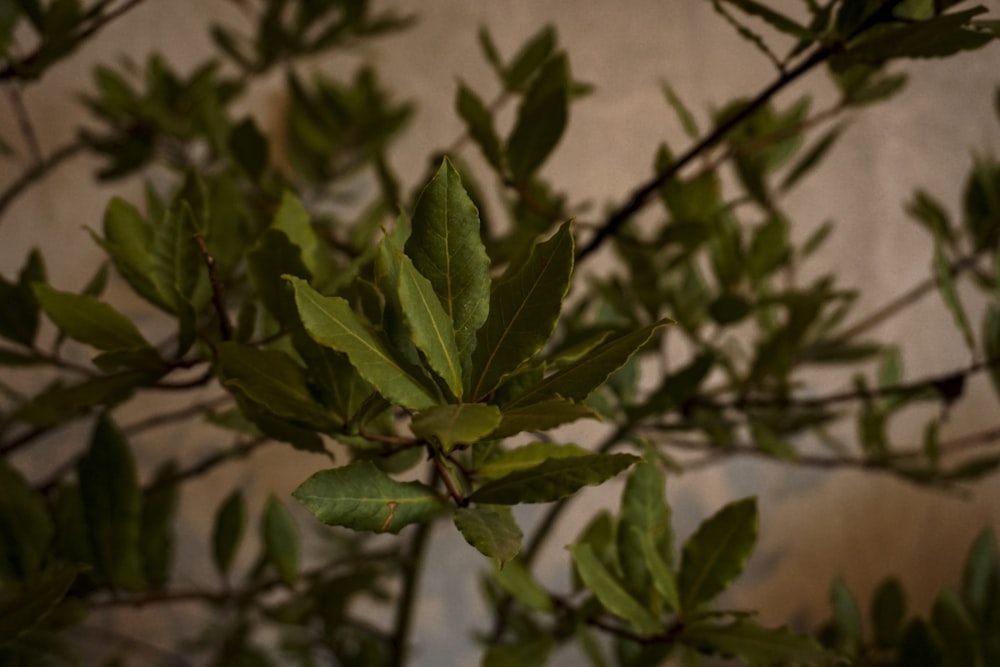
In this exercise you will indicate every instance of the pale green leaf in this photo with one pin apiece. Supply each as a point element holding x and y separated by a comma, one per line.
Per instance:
<point>552,479</point>
<point>579,379</point>
<point>331,322</point>
<point>452,425</point>
<point>610,591</point>
<point>542,416</point>
<point>524,308</point>
<point>446,248</point>
<point>362,497</point>
<point>527,456</point>
<point>281,540</point>
<point>756,645</point>
<point>717,552</point>
<point>89,321</point>
<point>491,529</point>
<point>514,578</point>
<point>427,323</point>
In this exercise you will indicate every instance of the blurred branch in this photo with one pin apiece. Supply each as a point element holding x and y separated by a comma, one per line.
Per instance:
<point>38,171</point>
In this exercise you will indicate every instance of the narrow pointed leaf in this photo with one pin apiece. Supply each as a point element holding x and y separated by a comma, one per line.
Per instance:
<point>516,580</point>
<point>176,266</point>
<point>446,248</point>
<point>527,456</point>
<point>452,425</point>
<point>610,592</point>
<point>479,124</point>
<point>643,531</point>
<point>541,119</point>
<point>717,552</point>
<point>281,540</point>
<point>362,497</point>
<point>757,645</point>
<point>542,416</point>
<point>579,379</point>
<point>227,531</point>
<point>428,324</point>
<point>25,525</point>
<point>293,219</point>
<point>89,321</point>
<point>331,322</point>
<point>946,284</point>
<point>128,239</point>
<point>524,308</point>
<point>492,530</point>
<point>159,511</point>
<point>552,479</point>
<point>20,610</point>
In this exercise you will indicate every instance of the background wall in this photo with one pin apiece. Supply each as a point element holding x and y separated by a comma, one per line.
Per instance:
<point>815,525</point>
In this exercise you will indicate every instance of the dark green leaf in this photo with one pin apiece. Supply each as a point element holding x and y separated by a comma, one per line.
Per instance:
<point>757,645</point>
<point>533,653</point>
<point>531,56</point>
<point>21,609</point>
<point>946,285</point>
<point>526,456</point>
<point>89,321</point>
<point>280,536</point>
<point>952,622</point>
<point>717,552</point>
<point>26,529</point>
<point>542,416</point>
<point>272,257</point>
<point>176,269</point>
<point>19,315</point>
<point>446,248</point>
<point>491,529</point>
<point>331,322</point>
<point>929,212</point>
<point>645,537</point>
<point>936,37</point>
<point>524,308</point>
<point>920,646</point>
<point>362,497</point>
<point>541,119</point>
<point>775,19</point>
<point>249,147</point>
<point>610,591</point>
<point>552,479</point>
<point>683,114</point>
<point>981,575</point>
<point>227,531</point>
<point>293,219</point>
<point>888,613</point>
<point>848,628</point>
<point>62,403</point>
<point>159,509</point>
<point>453,425</point>
<point>479,124</point>
<point>112,505</point>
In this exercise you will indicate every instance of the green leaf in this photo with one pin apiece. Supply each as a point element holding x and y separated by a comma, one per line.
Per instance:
<point>479,124</point>
<point>281,540</point>
<point>446,248</point>
<point>25,526</point>
<point>940,36</point>
<point>526,456</point>
<point>59,404</point>
<point>452,425</point>
<point>516,580</point>
<point>227,531</point>
<point>541,119</point>
<point>981,575</point>
<point>579,379</point>
<point>529,58</point>
<point>156,540</point>
<point>920,646</point>
<point>429,326</point>
<point>610,591</point>
<point>128,239</point>
<point>19,315</point>
<point>775,19</point>
<point>331,322</point>
<point>991,342</point>
<point>532,653</point>
<point>89,321</point>
<point>248,146</point>
<point>176,268</point>
<point>112,500</point>
<point>946,284</point>
<point>524,308</point>
<point>888,612</point>
<point>956,628</point>
<point>848,628</point>
<point>362,497</point>
<point>755,644</point>
<point>293,219</point>
<point>21,609</point>
<point>644,534</point>
<point>552,479</point>
<point>717,552</point>
<point>542,416</point>
<point>683,114</point>
<point>491,529</point>
<point>271,379</point>
<point>270,258</point>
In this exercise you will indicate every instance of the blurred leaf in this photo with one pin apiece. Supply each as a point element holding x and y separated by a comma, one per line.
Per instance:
<point>112,505</point>
<point>936,37</point>
<point>293,219</point>
<point>529,59</point>
<point>491,529</point>
<point>920,646</point>
<point>156,539</point>
<point>946,285</point>
<point>331,322</point>
<point>532,653</point>
<point>952,622</point>
<point>19,315</point>
<point>775,19</point>
<point>516,580</point>
<point>227,531</point>
<point>479,124</point>
<point>20,610</point>
<point>888,613</point>
<point>446,248</point>
<point>981,204</point>
<point>683,114</point>
<point>524,308</point>
<point>541,119</point>
<point>362,497</point>
<point>453,425</point>
<point>89,321</point>
<point>281,540</point>
<point>526,456</point>
<point>249,147</point>
<point>757,645</point>
<point>61,403</point>
<point>981,576</point>
<point>717,553</point>
<point>848,628</point>
<point>552,479</point>
<point>610,591</point>
<point>929,212</point>
<point>25,525</point>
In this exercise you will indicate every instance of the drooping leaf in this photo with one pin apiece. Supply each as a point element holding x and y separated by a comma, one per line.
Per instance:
<point>717,552</point>
<point>991,342</point>
<point>62,403</point>
<point>610,591</point>
<point>452,425</point>
<point>579,379</point>
<point>362,497</point>
<point>281,540</point>
<point>542,416</point>
<point>112,505</point>
<point>757,645</point>
<point>446,248</point>
<point>936,37</point>
<point>524,308</point>
<point>526,456</point>
<point>25,526</point>
<point>541,119</point>
<point>89,321</point>
<point>946,284</point>
<point>20,610</point>
<point>429,326</point>
<point>552,479</point>
<point>491,529</point>
<point>479,124</point>
<point>775,19</point>
<point>331,322</point>
<point>227,530</point>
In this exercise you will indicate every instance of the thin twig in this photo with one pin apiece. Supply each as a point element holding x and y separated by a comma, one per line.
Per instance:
<point>37,172</point>
<point>209,463</point>
<point>24,123</point>
<point>218,300</point>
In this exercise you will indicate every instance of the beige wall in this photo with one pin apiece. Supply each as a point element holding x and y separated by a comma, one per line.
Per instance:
<point>815,525</point>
